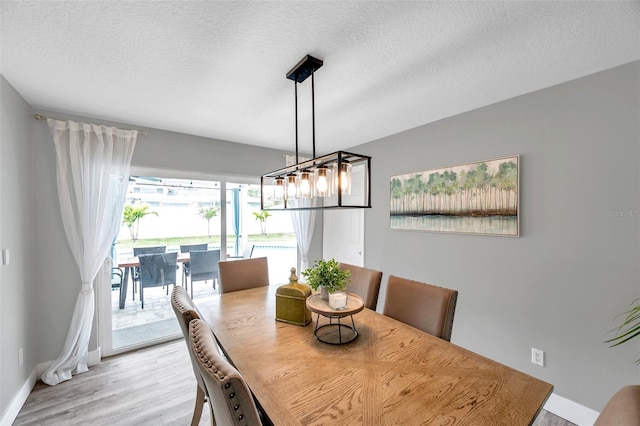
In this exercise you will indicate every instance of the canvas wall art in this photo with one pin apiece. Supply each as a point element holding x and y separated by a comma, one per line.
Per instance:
<point>474,198</point>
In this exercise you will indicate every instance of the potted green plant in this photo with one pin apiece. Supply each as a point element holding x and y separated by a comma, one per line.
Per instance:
<point>326,276</point>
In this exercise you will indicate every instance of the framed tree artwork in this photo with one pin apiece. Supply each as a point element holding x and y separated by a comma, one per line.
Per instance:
<point>474,198</point>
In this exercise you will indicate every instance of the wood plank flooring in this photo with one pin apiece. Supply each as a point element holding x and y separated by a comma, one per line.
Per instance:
<point>152,386</point>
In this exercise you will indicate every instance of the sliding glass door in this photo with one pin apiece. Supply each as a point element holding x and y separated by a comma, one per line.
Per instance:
<point>165,216</point>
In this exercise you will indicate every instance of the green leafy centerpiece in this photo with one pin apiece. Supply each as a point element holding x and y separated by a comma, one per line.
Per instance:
<point>327,275</point>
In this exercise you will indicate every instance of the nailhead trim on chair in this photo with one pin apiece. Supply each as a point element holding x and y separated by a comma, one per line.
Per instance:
<point>185,306</point>
<point>212,368</point>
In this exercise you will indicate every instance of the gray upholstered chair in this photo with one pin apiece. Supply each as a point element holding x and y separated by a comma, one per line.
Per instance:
<point>243,274</point>
<point>421,305</point>
<point>230,399</point>
<point>157,270</point>
<point>623,409</point>
<point>186,311</point>
<point>203,266</point>
<point>365,283</point>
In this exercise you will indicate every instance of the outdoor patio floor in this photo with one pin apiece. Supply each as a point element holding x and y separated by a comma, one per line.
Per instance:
<point>134,325</point>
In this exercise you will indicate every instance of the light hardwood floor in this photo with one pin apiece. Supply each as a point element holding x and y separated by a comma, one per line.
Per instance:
<point>152,386</point>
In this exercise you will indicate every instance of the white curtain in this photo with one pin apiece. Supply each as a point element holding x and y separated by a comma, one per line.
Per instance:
<point>303,221</point>
<point>92,174</point>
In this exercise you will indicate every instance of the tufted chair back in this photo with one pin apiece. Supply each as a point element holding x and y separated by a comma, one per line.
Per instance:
<point>186,311</point>
<point>230,399</point>
<point>421,305</point>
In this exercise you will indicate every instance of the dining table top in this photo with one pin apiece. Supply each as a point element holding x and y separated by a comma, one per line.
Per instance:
<point>391,374</point>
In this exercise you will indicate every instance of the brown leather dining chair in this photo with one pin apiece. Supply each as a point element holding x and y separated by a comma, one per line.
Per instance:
<point>230,399</point>
<point>186,311</point>
<point>623,409</point>
<point>243,274</point>
<point>365,283</point>
<point>420,305</point>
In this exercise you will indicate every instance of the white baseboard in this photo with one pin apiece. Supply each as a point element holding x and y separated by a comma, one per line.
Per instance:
<point>20,398</point>
<point>18,401</point>
<point>94,357</point>
<point>572,411</point>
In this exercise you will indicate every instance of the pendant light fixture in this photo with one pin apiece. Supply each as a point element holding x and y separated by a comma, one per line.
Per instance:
<point>338,180</point>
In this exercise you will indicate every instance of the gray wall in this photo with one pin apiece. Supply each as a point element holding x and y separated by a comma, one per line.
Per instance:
<point>17,287</point>
<point>560,284</point>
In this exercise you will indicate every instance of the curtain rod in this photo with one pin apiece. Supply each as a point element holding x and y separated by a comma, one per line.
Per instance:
<point>44,117</point>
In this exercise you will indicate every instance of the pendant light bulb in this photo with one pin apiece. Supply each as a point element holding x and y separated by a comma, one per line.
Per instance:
<point>291,190</point>
<point>304,185</point>
<point>342,178</point>
<point>323,181</point>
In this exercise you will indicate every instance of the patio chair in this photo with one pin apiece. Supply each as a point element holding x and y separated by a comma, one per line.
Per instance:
<point>230,400</point>
<point>243,274</point>
<point>246,253</point>
<point>365,283</point>
<point>157,270</point>
<point>423,306</point>
<point>204,266</point>
<point>135,272</point>
<point>188,248</point>
<point>116,280</point>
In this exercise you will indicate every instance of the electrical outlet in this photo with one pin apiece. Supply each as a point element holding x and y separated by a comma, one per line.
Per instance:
<point>537,357</point>
<point>20,357</point>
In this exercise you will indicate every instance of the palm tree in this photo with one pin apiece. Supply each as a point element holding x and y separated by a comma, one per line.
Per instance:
<point>208,213</point>
<point>262,217</point>
<point>131,217</point>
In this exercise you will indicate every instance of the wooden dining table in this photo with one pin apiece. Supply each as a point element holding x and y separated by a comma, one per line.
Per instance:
<point>128,264</point>
<point>391,373</point>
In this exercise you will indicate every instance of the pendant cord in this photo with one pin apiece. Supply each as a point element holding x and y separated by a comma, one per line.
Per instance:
<point>313,113</point>
<point>295,85</point>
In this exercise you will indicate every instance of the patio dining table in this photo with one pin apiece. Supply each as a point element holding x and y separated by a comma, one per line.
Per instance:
<point>128,264</point>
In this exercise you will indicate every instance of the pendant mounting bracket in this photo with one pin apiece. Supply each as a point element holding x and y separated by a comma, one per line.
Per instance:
<point>304,69</point>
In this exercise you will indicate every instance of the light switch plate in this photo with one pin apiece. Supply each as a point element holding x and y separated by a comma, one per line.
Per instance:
<point>5,257</point>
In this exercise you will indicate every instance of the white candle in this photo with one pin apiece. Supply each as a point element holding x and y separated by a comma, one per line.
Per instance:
<point>337,300</point>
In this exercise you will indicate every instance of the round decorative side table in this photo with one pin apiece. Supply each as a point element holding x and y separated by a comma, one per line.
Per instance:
<point>335,333</point>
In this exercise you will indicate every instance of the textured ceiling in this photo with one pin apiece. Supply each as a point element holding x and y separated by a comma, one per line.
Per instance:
<point>217,69</point>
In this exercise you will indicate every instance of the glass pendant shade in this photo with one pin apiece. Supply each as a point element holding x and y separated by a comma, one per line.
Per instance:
<point>278,188</point>
<point>342,179</point>
<point>305,184</point>
<point>291,190</point>
<point>323,181</point>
